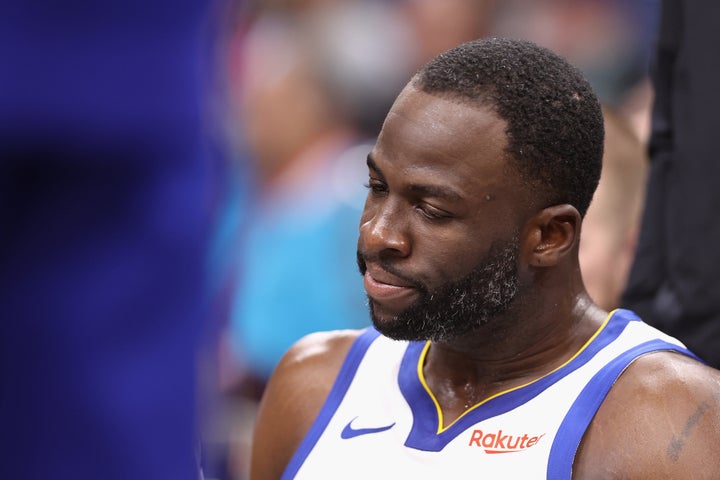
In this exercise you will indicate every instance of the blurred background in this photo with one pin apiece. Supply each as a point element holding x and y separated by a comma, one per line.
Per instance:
<point>285,99</point>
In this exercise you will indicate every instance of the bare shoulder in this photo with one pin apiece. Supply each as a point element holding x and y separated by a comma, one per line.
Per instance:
<point>294,396</point>
<point>660,420</point>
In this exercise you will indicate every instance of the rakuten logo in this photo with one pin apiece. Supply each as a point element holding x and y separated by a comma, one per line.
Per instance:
<point>502,443</point>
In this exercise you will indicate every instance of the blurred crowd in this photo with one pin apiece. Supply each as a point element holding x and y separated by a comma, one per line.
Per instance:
<point>305,87</point>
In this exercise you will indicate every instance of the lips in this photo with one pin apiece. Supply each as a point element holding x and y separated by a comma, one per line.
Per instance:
<point>387,289</point>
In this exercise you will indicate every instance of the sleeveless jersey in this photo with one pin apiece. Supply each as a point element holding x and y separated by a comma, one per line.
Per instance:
<point>381,421</point>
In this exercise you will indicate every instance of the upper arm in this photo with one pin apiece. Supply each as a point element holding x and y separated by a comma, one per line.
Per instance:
<point>661,420</point>
<point>293,398</point>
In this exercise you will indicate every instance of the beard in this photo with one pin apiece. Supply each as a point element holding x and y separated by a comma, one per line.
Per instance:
<point>458,307</point>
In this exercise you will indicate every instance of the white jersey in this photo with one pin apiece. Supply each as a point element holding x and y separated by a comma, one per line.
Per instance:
<point>380,420</point>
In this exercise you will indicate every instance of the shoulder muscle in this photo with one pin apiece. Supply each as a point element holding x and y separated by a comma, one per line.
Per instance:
<point>293,398</point>
<point>660,420</point>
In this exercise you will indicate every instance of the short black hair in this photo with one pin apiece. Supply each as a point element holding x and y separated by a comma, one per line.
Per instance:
<point>554,122</point>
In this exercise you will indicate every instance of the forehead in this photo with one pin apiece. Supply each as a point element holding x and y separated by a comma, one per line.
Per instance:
<point>444,137</point>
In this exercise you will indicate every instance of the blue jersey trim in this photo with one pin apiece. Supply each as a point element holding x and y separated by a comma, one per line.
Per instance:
<point>581,413</point>
<point>337,393</point>
<point>424,433</point>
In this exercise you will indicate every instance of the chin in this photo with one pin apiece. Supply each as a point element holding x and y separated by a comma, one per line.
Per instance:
<point>396,327</point>
<point>381,318</point>
<point>387,323</point>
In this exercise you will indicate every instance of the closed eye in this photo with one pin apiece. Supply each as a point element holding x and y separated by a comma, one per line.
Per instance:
<point>376,186</point>
<point>432,213</point>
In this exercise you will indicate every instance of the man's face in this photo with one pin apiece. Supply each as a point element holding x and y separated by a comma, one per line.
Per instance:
<point>439,240</point>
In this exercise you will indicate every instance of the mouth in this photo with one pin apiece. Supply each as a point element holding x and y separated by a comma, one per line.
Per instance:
<point>388,291</point>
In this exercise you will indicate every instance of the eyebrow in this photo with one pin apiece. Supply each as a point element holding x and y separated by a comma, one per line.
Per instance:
<point>423,189</point>
<point>371,164</point>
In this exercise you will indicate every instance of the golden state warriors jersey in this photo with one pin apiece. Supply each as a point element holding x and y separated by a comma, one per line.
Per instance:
<point>380,420</point>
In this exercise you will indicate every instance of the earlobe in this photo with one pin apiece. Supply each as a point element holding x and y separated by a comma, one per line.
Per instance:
<point>552,234</point>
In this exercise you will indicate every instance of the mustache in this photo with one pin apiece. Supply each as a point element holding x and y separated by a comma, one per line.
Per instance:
<point>362,266</point>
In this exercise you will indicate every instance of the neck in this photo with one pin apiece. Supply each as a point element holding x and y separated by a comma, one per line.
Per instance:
<point>517,349</point>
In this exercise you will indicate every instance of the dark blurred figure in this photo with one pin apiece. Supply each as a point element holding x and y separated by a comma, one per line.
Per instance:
<point>675,282</point>
<point>105,206</point>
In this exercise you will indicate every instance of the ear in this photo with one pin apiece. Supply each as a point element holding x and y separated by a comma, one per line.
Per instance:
<point>551,235</point>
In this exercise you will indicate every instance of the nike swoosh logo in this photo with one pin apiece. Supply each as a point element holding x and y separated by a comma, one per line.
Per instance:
<point>350,432</point>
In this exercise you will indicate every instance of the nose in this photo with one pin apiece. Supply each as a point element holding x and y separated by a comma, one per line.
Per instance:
<point>383,233</point>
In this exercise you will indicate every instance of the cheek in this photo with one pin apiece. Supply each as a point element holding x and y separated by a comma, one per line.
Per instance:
<point>448,257</point>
